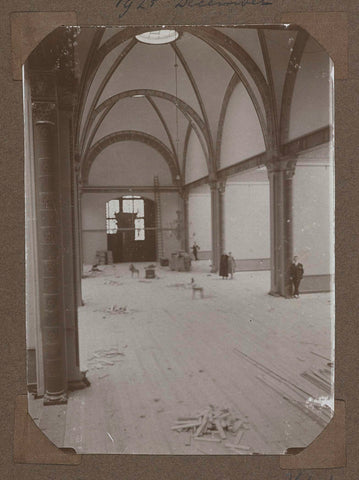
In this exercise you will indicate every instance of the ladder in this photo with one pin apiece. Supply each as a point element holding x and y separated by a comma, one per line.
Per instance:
<point>159,235</point>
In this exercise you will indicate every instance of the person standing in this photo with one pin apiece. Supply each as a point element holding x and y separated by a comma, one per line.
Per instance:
<point>231,264</point>
<point>296,275</point>
<point>195,249</point>
<point>223,266</point>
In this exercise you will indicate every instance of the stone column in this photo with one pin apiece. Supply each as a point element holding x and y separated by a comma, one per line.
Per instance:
<point>215,225</point>
<point>48,210</point>
<point>280,174</point>
<point>69,260</point>
<point>185,233</point>
<point>33,326</point>
<point>78,234</point>
<point>222,237</point>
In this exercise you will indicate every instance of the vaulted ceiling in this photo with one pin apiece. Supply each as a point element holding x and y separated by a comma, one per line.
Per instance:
<point>160,95</point>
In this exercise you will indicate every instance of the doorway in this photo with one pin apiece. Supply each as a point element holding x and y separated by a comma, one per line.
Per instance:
<point>130,226</point>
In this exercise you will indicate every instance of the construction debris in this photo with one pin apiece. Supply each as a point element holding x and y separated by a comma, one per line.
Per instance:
<point>104,358</point>
<point>214,425</point>
<point>113,283</point>
<point>116,310</point>
<point>322,402</point>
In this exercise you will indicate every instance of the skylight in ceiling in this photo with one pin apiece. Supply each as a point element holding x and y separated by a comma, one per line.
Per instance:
<point>158,37</point>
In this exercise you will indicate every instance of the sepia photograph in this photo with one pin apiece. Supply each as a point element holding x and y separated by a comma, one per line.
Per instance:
<point>179,201</point>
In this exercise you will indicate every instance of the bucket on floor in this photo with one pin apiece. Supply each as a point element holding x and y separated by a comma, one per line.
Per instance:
<point>150,272</point>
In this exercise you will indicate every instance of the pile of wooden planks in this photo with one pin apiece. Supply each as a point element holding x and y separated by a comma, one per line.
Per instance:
<point>215,424</point>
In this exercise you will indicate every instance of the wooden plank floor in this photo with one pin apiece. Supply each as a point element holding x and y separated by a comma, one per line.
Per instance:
<point>168,356</point>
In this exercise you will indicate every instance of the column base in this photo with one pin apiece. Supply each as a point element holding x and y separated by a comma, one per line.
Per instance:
<point>79,384</point>
<point>274,294</point>
<point>55,399</point>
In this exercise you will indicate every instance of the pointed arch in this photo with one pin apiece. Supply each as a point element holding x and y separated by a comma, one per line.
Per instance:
<point>133,136</point>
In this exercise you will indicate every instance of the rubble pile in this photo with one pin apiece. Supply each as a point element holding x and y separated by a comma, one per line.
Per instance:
<point>215,425</point>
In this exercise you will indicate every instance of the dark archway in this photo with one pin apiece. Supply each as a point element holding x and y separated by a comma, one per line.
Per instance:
<point>131,232</point>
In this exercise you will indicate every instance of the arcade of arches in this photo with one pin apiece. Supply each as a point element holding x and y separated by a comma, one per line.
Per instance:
<point>222,136</point>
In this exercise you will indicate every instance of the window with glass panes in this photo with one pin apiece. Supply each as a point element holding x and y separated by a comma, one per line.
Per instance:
<point>112,207</point>
<point>133,204</point>
<point>126,204</point>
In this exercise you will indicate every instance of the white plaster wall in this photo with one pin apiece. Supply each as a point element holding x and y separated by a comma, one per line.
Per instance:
<point>246,219</point>
<point>111,166</point>
<point>242,135</point>
<point>93,206</point>
<point>170,203</point>
<point>313,222</point>
<point>311,96</point>
<point>196,165</point>
<point>199,217</point>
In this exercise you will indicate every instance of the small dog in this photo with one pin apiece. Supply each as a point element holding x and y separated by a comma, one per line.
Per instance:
<point>134,270</point>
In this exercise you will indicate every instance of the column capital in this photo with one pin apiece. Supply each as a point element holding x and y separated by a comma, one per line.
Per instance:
<point>284,164</point>
<point>44,112</point>
<point>222,186</point>
<point>43,85</point>
<point>212,179</point>
<point>184,194</point>
<point>213,185</point>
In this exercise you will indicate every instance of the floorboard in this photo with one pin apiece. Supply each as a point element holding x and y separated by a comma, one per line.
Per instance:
<point>167,355</point>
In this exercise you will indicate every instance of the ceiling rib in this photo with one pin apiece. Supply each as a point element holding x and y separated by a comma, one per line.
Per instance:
<point>220,41</point>
<point>229,90</point>
<point>84,86</point>
<point>268,67</point>
<point>289,83</point>
<point>185,148</point>
<point>164,124</point>
<point>187,111</point>
<point>101,88</point>
<point>205,34</point>
<point>242,77</point>
<point>197,93</point>
<point>222,44</point>
<point>129,135</point>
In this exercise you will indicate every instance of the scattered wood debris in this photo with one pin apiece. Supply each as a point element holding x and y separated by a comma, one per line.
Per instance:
<point>104,358</point>
<point>214,424</point>
<point>117,310</point>
<point>113,283</point>
<point>320,403</point>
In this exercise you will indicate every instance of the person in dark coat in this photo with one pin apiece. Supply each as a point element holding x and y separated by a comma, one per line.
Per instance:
<point>296,275</point>
<point>223,266</point>
<point>195,249</point>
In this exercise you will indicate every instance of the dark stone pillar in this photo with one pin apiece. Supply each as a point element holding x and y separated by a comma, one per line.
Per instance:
<point>280,174</point>
<point>78,235</point>
<point>49,250</point>
<point>185,234</point>
<point>221,190</point>
<point>215,225</point>
<point>69,261</point>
